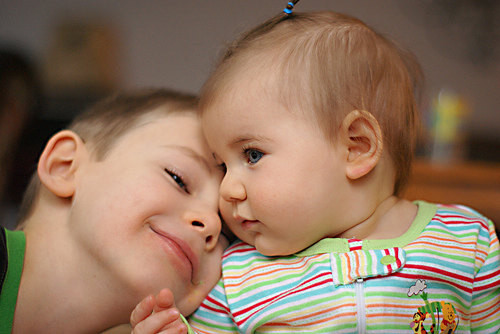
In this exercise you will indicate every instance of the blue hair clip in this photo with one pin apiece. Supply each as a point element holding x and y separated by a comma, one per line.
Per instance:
<point>289,7</point>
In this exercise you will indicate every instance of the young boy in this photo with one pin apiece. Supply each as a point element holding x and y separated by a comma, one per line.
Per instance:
<point>314,117</point>
<point>124,203</point>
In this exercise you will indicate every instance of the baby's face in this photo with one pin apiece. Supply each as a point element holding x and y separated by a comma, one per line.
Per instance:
<point>150,208</point>
<point>284,180</point>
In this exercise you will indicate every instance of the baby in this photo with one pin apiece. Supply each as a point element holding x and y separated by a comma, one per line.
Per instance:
<point>314,117</point>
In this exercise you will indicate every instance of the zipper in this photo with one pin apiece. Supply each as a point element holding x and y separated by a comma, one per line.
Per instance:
<point>360,305</point>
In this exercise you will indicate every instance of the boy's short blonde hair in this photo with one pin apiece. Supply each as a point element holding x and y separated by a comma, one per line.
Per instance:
<point>331,64</point>
<point>103,124</point>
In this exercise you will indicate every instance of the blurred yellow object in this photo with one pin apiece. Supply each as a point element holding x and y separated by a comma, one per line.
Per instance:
<point>448,114</point>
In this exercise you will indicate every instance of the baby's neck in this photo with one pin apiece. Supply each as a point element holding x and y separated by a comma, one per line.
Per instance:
<point>390,219</point>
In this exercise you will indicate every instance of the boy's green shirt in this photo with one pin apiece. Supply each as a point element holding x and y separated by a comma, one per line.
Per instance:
<point>15,246</point>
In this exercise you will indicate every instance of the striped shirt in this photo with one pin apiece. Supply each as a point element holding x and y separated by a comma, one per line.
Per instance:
<point>443,273</point>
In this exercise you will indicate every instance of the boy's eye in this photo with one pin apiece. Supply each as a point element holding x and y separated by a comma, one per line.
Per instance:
<point>177,179</point>
<point>222,167</point>
<point>253,155</point>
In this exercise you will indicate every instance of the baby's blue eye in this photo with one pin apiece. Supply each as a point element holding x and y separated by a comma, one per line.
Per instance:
<point>253,155</point>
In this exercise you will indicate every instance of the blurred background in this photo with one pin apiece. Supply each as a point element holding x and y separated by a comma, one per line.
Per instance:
<point>59,56</point>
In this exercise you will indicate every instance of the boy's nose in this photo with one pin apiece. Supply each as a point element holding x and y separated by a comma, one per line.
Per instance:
<point>208,224</point>
<point>232,190</point>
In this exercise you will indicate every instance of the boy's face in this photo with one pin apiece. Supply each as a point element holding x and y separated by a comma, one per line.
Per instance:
<point>149,211</point>
<point>284,182</point>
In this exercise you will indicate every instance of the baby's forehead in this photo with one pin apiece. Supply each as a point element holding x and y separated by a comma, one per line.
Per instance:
<point>243,75</point>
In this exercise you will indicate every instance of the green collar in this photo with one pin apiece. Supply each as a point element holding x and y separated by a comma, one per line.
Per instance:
<point>424,215</point>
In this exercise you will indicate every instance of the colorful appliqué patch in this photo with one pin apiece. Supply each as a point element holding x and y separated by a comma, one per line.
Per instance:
<point>449,322</point>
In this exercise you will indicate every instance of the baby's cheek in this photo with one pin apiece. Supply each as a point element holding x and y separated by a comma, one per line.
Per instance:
<point>225,209</point>
<point>228,223</point>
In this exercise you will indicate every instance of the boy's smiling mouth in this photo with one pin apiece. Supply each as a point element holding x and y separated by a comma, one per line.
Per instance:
<point>182,253</point>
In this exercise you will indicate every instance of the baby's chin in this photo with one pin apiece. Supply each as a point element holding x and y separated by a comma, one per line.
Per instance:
<point>273,250</point>
<point>267,246</point>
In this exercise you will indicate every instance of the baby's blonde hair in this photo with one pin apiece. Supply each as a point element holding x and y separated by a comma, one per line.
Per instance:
<point>330,64</point>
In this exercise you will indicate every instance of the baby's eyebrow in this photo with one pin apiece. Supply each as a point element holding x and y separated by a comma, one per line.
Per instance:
<point>247,138</point>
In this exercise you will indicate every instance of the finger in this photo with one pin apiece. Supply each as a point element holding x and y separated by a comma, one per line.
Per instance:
<point>142,310</point>
<point>178,328</point>
<point>164,300</point>
<point>156,322</point>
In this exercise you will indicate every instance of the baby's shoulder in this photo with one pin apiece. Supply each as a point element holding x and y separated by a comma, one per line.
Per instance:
<point>458,218</point>
<point>459,213</point>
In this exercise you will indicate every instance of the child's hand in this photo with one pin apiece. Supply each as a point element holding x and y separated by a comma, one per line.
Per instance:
<point>157,315</point>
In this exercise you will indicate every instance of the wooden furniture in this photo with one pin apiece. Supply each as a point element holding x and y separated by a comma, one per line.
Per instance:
<point>475,184</point>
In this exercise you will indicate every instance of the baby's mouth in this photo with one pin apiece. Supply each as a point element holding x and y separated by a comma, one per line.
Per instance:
<point>249,224</point>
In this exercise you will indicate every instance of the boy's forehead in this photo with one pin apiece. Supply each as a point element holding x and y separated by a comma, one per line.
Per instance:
<point>161,127</point>
<point>176,134</point>
<point>164,112</point>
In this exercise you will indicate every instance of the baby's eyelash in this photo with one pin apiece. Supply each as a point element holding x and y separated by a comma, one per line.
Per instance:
<point>178,179</point>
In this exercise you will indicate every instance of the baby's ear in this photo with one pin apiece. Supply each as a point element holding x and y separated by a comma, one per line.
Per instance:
<point>59,161</point>
<point>362,136</point>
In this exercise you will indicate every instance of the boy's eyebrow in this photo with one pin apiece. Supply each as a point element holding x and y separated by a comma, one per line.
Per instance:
<point>193,154</point>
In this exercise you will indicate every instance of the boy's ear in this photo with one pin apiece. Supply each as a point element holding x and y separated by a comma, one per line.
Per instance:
<point>59,161</point>
<point>362,136</point>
